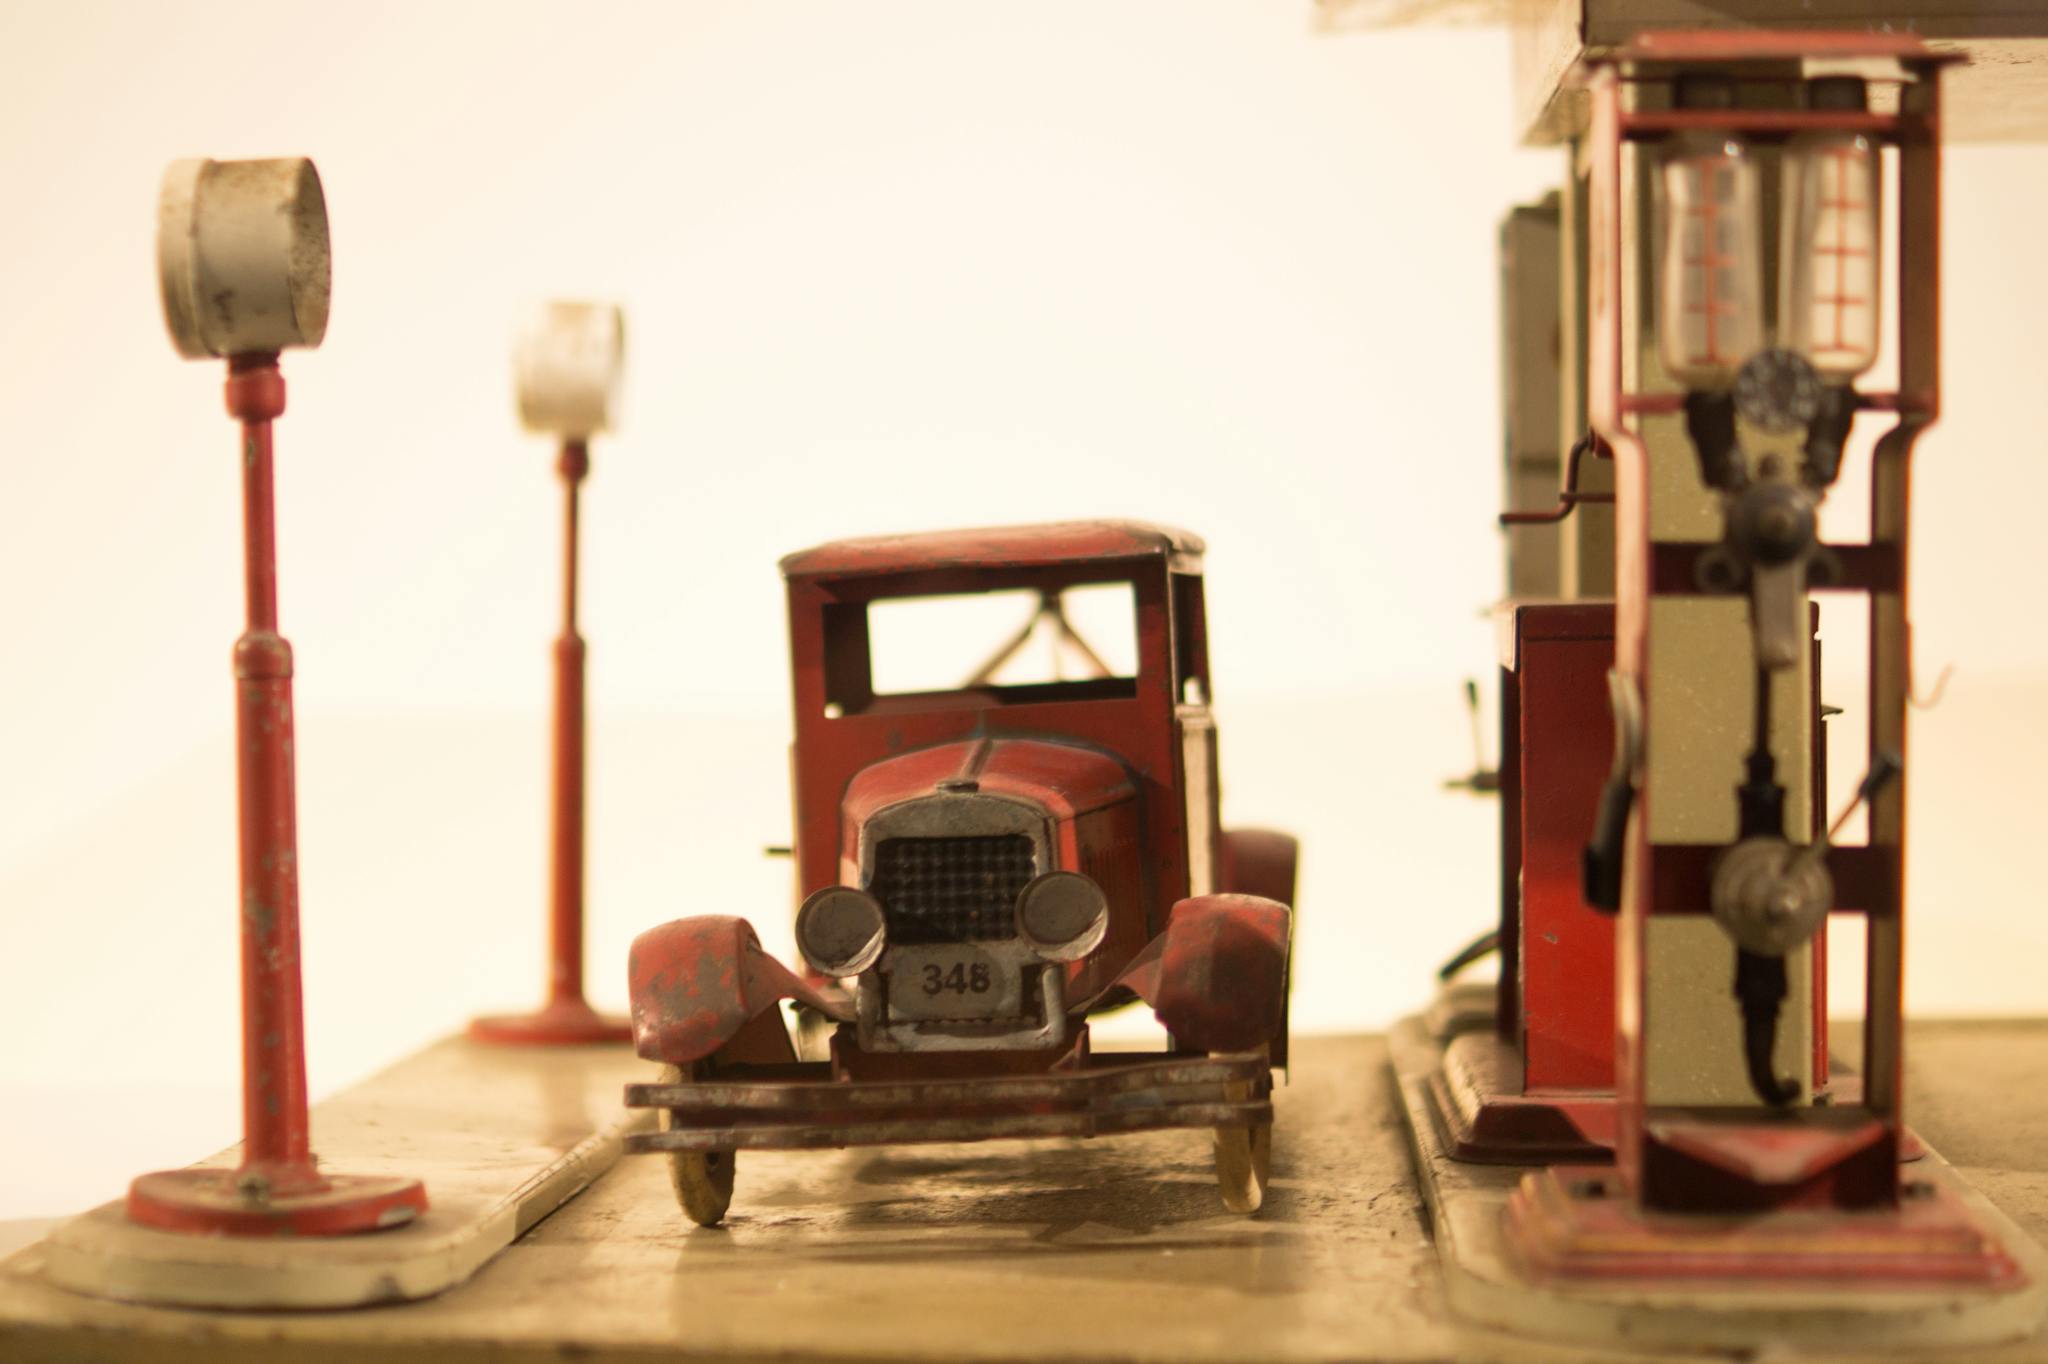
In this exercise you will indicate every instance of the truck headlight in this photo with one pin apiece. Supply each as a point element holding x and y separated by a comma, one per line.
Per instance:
<point>1062,915</point>
<point>840,931</point>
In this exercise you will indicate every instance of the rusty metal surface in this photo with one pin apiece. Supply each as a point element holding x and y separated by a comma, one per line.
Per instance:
<point>697,982</point>
<point>1145,1115</point>
<point>818,1113</point>
<point>814,1092</point>
<point>1217,977</point>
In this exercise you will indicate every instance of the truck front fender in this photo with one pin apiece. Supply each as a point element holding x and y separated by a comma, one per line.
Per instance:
<point>1217,977</point>
<point>697,982</point>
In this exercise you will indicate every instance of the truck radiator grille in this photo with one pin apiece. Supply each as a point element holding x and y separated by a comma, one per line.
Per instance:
<point>951,889</point>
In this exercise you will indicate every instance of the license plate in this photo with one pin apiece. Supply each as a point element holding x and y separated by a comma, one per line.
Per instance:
<point>953,980</point>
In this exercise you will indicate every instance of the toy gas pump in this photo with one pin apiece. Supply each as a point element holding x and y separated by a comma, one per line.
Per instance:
<point>1728,210</point>
<point>1728,365</point>
<point>242,253</point>
<point>568,367</point>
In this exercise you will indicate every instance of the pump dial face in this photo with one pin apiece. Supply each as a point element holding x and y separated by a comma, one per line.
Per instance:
<point>1777,390</point>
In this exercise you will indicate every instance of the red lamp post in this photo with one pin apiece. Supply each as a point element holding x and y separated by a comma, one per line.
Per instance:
<point>244,263</point>
<point>568,369</point>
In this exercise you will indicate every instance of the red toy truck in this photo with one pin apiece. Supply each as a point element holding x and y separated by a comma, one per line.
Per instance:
<point>989,862</point>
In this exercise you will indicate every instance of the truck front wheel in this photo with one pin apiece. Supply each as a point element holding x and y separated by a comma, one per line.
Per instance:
<point>1244,1155</point>
<point>702,1179</point>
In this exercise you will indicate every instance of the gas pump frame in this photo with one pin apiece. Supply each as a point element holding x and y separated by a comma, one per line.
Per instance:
<point>1684,1197</point>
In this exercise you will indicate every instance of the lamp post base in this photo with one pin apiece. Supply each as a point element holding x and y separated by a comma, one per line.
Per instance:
<point>561,1023</point>
<point>289,1201</point>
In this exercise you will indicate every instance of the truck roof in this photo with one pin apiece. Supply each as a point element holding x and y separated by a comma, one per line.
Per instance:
<point>1059,542</point>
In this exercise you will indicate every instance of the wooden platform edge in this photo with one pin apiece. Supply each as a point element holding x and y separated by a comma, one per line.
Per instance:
<point>459,1114</point>
<point>1466,1203</point>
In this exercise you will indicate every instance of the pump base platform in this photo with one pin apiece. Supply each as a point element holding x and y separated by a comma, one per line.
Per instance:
<point>1576,1225</point>
<point>499,1136</point>
<point>1476,1098</point>
<point>1481,1114</point>
<point>1488,1282</point>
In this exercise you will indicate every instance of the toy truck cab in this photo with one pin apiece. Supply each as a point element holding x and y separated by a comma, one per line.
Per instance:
<point>988,856</point>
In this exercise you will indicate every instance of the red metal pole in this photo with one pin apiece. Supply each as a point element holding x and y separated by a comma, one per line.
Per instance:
<point>567,1017</point>
<point>565,980</point>
<point>273,1043</point>
<point>278,1189</point>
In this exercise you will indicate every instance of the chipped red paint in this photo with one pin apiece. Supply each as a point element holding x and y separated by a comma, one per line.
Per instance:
<point>1217,977</point>
<point>697,982</point>
<point>278,1189</point>
<point>996,547</point>
<point>273,1201</point>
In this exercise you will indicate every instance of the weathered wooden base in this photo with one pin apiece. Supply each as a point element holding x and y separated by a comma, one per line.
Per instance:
<point>501,1136</point>
<point>1485,1280</point>
<point>1111,1250</point>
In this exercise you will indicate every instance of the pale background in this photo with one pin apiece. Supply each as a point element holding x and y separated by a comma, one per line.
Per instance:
<point>888,266</point>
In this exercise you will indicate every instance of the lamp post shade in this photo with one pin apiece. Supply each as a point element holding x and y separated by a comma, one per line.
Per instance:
<point>243,256</point>
<point>568,366</point>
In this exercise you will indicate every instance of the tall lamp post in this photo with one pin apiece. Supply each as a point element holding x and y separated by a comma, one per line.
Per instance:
<point>568,366</point>
<point>242,254</point>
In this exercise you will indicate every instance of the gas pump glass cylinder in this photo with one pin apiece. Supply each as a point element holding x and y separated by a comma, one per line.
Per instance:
<point>1829,306</point>
<point>1710,260</point>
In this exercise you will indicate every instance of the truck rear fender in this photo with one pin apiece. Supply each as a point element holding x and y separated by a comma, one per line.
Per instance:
<point>1259,862</point>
